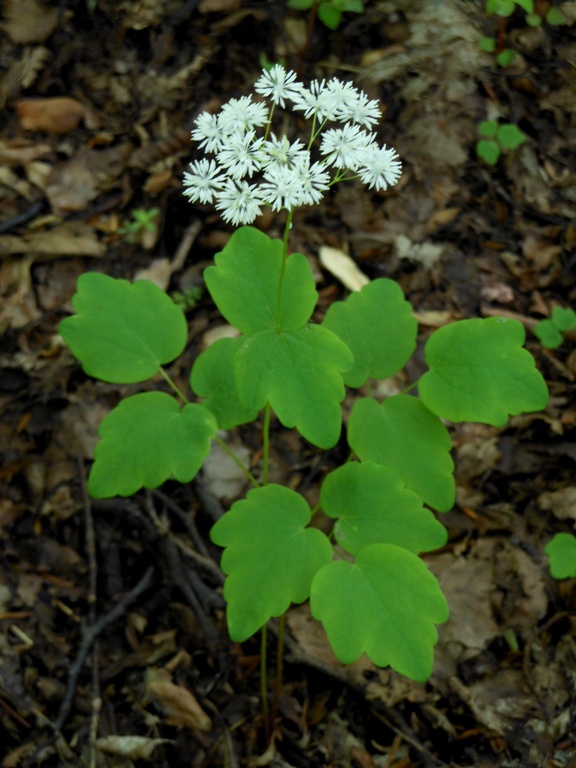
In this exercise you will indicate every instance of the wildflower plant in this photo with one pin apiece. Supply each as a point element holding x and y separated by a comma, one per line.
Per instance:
<point>365,580</point>
<point>550,332</point>
<point>497,138</point>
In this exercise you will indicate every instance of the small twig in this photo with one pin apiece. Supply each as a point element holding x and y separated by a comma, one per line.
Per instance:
<point>92,597</point>
<point>89,632</point>
<point>185,519</point>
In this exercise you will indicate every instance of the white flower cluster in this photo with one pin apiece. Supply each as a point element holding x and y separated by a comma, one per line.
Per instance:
<point>285,174</point>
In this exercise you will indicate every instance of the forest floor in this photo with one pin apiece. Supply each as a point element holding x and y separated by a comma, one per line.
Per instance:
<point>113,643</point>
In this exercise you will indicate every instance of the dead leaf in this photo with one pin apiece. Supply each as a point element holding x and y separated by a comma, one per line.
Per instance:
<point>74,183</point>
<point>28,21</point>
<point>178,703</point>
<point>425,253</point>
<point>73,238</point>
<point>59,114</point>
<point>132,747</point>
<point>342,267</point>
<point>562,503</point>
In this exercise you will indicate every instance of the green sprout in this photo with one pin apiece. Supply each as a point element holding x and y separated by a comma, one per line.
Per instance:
<point>143,220</point>
<point>329,11</point>
<point>189,298</point>
<point>551,331</point>
<point>561,550</point>
<point>505,8</point>
<point>497,138</point>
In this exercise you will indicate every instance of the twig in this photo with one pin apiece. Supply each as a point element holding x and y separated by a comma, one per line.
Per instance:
<point>89,632</point>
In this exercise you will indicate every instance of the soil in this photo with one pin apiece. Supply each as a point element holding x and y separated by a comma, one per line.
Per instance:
<point>113,643</point>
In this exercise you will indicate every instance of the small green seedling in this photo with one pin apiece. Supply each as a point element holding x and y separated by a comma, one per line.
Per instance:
<point>561,550</point>
<point>365,579</point>
<point>505,8</point>
<point>189,298</point>
<point>142,221</point>
<point>497,138</point>
<point>329,11</point>
<point>551,331</point>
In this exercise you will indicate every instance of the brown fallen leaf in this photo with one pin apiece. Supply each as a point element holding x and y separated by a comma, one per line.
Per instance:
<point>72,238</point>
<point>28,21</point>
<point>58,114</point>
<point>178,703</point>
<point>132,747</point>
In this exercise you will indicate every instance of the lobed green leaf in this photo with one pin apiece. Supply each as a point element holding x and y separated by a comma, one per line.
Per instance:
<point>548,334</point>
<point>404,435</point>
<point>213,377</point>
<point>373,506</point>
<point>271,556</point>
<point>385,605</point>
<point>123,332</point>
<point>244,284</point>
<point>561,550</point>
<point>299,374</point>
<point>564,318</point>
<point>378,327</point>
<point>480,372</point>
<point>146,440</point>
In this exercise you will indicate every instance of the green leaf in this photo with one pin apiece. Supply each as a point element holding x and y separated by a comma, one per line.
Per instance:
<point>374,507</point>
<point>299,374</point>
<point>244,284</point>
<point>505,58</point>
<point>378,326</point>
<point>385,605</point>
<point>402,434</point>
<point>300,5</point>
<point>549,336</point>
<point>555,17</point>
<point>270,558</point>
<point>526,5</point>
<point>500,7</point>
<point>213,377</point>
<point>510,136</point>
<point>564,318</point>
<point>329,16</point>
<point>561,550</point>
<point>122,332</point>
<point>533,20</point>
<point>488,128</point>
<point>480,372</point>
<point>146,440</point>
<point>487,44</point>
<point>488,151</point>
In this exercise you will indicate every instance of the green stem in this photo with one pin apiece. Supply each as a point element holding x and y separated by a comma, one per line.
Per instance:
<point>264,680</point>
<point>283,269</point>
<point>279,664</point>
<point>266,444</point>
<point>237,461</point>
<point>409,387</point>
<point>169,381</point>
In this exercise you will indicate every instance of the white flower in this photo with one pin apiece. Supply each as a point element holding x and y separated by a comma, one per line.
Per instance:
<point>281,187</point>
<point>278,85</point>
<point>313,180</point>
<point>359,110</point>
<point>346,147</point>
<point>209,132</point>
<point>242,115</point>
<point>317,100</point>
<point>205,180</point>
<point>240,202</point>
<point>241,155</point>
<point>281,152</point>
<point>381,167</point>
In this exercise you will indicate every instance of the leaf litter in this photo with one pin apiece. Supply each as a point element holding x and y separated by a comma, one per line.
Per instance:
<point>463,241</point>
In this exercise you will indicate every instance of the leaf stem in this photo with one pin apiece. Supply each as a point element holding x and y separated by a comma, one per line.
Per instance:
<point>237,461</point>
<point>180,394</point>
<point>283,268</point>
<point>266,444</point>
<point>264,680</point>
<point>279,664</point>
